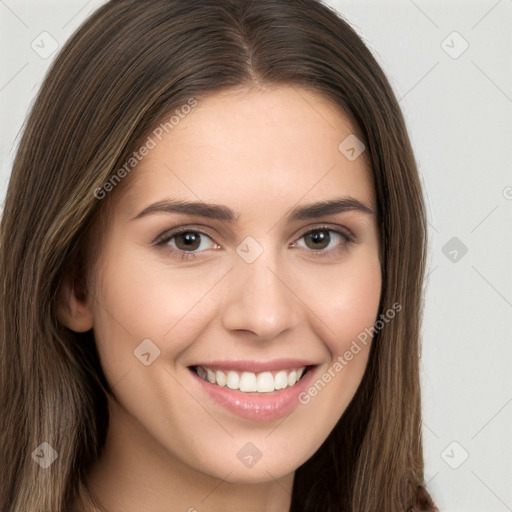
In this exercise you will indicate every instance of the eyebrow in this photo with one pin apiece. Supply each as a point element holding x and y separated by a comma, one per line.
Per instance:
<point>219,212</point>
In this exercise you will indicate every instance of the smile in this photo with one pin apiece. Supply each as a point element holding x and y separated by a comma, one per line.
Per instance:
<point>250,382</point>
<point>255,391</point>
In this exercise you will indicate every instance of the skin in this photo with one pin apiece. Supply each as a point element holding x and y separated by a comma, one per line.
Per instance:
<point>260,152</point>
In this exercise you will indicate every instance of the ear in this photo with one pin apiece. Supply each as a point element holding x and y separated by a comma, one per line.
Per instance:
<point>74,306</point>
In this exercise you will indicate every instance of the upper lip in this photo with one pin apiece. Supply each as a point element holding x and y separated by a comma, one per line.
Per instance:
<point>256,366</point>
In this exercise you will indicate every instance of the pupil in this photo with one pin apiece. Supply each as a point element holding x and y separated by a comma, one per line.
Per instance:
<point>319,237</point>
<point>190,240</point>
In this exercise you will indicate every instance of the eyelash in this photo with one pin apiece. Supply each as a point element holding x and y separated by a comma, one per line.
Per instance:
<point>166,237</point>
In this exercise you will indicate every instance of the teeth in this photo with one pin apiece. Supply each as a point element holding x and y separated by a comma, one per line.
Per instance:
<point>221,378</point>
<point>210,376</point>
<point>249,382</point>
<point>265,382</point>
<point>233,380</point>
<point>281,380</point>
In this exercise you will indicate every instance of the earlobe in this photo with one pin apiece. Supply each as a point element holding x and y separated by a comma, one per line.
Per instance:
<point>74,308</point>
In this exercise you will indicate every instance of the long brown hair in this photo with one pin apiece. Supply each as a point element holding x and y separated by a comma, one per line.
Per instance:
<point>129,65</point>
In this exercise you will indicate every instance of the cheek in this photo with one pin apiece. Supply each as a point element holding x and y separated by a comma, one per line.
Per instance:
<point>137,300</point>
<point>346,302</point>
<point>355,307</point>
<point>345,298</point>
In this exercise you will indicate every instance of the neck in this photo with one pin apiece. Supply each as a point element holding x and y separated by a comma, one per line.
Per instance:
<point>135,473</point>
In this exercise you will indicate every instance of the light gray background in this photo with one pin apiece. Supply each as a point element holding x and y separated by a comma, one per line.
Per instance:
<point>458,106</point>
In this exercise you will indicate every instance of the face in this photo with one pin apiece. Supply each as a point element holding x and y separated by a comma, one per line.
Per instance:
<point>205,317</point>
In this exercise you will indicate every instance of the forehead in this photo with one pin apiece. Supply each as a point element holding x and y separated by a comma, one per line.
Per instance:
<point>257,149</point>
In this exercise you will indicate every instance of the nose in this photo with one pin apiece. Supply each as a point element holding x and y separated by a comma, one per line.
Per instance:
<point>260,299</point>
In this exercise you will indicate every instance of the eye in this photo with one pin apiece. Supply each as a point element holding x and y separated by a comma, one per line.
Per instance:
<point>324,241</point>
<point>185,242</point>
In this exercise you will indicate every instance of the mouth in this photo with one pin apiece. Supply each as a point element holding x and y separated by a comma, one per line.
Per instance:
<point>252,382</point>
<point>257,391</point>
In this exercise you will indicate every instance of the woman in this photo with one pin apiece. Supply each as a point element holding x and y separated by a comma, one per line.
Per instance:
<point>175,333</point>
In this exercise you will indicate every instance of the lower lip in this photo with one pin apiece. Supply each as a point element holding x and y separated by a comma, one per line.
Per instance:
<point>261,406</point>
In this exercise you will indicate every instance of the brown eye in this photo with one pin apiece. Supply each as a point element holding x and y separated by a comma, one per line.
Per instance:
<point>317,240</point>
<point>325,242</point>
<point>188,241</point>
